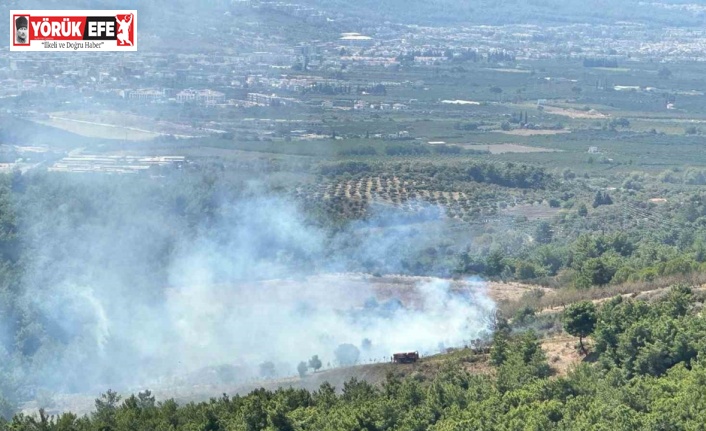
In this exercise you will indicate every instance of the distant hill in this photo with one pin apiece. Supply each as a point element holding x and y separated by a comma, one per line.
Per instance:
<point>445,12</point>
<point>214,21</point>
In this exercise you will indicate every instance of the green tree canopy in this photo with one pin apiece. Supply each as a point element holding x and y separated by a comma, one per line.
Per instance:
<point>315,363</point>
<point>302,368</point>
<point>580,320</point>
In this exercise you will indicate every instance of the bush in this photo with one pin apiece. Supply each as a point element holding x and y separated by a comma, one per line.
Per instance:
<point>525,270</point>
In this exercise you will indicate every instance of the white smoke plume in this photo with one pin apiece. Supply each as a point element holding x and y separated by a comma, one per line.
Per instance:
<point>251,285</point>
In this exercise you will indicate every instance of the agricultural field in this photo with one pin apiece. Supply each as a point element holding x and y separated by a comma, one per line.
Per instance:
<point>528,132</point>
<point>92,129</point>
<point>506,148</point>
<point>115,125</point>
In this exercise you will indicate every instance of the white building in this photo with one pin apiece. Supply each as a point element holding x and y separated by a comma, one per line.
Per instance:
<point>144,95</point>
<point>207,97</point>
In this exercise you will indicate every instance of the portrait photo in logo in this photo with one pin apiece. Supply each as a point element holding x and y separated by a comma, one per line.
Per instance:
<point>22,30</point>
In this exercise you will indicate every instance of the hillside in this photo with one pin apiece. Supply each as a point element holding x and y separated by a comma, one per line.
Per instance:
<point>634,378</point>
<point>196,387</point>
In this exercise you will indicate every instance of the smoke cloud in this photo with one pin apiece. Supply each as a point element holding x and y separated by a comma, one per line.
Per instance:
<point>131,294</point>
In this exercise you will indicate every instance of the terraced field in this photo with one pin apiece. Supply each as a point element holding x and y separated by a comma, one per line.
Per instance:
<point>408,195</point>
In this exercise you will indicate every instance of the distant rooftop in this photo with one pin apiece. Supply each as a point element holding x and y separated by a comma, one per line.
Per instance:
<point>354,36</point>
